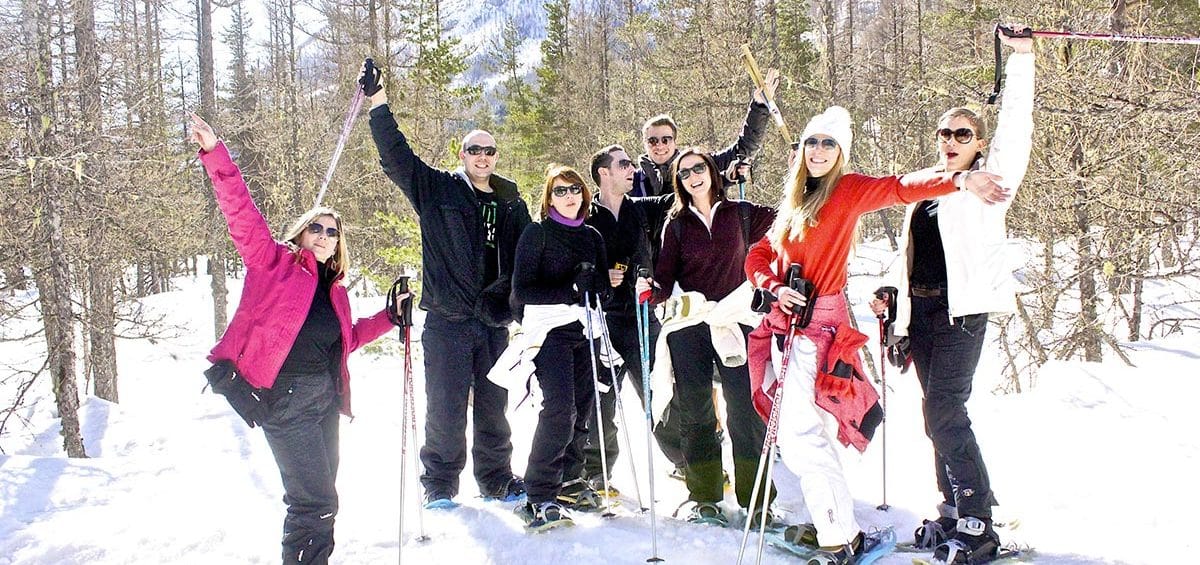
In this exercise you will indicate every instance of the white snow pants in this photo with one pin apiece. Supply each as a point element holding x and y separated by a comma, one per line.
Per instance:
<point>806,439</point>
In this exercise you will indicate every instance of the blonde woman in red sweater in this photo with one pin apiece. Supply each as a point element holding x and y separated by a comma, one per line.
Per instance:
<point>816,228</point>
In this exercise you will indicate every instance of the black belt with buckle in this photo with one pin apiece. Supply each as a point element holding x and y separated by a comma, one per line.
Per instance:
<point>924,292</point>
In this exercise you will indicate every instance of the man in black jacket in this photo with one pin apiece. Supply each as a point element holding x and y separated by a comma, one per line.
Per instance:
<point>624,224</point>
<point>470,221</point>
<point>660,140</point>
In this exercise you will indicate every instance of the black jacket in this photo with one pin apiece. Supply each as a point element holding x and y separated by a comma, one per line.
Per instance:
<point>547,261</point>
<point>628,242</point>
<point>652,179</point>
<point>452,229</point>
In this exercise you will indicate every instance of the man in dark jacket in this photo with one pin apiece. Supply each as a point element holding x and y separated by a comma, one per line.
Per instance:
<point>624,224</point>
<point>470,220</point>
<point>652,178</point>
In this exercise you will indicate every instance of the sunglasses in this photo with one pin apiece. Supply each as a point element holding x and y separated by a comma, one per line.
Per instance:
<point>562,190</point>
<point>961,135</point>
<point>315,228</point>
<point>698,168</point>
<point>489,150</point>
<point>624,164</point>
<point>663,140</point>
<point>812,143</point>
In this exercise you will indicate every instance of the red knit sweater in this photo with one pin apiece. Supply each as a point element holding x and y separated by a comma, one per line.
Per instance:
<point>825,249</point>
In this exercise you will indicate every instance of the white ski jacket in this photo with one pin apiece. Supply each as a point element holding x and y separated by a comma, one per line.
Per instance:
<point>979,272</point>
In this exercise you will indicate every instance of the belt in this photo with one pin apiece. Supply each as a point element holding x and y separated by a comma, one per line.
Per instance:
<point>923,292</point>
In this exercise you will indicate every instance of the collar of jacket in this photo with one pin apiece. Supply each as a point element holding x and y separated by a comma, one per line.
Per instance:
<point>649,165</point>
<point>504,188</point>
<point>308,260</point>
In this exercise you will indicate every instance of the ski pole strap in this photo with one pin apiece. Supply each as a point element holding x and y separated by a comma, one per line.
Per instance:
<point>347,127</point>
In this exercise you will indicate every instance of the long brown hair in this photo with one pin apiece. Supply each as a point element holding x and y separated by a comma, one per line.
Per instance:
<point>568,174</point>
<point>798,212</point>
<point>683,198</point>
<point>339,262</point>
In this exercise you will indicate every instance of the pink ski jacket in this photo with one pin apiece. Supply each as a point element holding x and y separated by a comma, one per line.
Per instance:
<point>278,291</point>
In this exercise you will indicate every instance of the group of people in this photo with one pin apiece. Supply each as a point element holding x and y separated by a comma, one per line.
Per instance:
<point>571,280</point>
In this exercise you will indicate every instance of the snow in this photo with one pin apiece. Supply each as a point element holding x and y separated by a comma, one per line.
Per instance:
<point>1096,462</point>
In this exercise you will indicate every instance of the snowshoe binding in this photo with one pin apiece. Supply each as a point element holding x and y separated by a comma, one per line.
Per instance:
<point>542,517</point>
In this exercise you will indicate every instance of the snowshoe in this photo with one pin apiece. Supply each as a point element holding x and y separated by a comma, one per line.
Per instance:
<point>597,485</point>
<point>439,501</point>
<point>863,550</point>
<point>773,525</point>
<point>973,543</point>
<point>578,495</point>
<point>799,539</point>
<point>513,491</point>
<point>708,513</point>
<point>542,517</point>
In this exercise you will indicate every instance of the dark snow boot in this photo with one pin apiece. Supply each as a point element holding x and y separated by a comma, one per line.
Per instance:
<point>973,542</point>
<point>843,555</point>
<point>933,533</point>
<point>512,491</point>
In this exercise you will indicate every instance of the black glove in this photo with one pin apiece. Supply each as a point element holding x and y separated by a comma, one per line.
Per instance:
<point>585,279</point>
<point>371,80</point>
<point>247,401</point>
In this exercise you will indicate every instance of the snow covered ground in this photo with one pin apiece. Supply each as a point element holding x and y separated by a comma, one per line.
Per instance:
<point>1097,463</point>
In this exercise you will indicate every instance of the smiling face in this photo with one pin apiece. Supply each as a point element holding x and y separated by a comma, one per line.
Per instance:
<point>953,153</point>
<point>819,158</point>
<point>698,183</point>
<point>619,172</point>
<point>320,243</point>
<point>474,155</point>
<point>659,143</point>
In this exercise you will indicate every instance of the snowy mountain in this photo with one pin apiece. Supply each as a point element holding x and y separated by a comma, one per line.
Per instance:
<point>479,25</point>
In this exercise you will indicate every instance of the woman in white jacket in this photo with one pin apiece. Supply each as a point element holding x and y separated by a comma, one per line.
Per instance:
<point>956,272</point>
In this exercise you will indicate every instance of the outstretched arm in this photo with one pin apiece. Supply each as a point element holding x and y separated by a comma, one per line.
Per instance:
<point>249,230</point>
<point>754,127</point>
<point>1008,154</point>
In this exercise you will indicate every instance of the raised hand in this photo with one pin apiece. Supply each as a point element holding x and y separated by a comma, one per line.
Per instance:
<point>202,133</point>
<point>1018,44</point>
<point>370,80</point>
<point>771,84</point>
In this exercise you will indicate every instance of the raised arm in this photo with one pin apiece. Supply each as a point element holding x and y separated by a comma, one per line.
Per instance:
<point>1008,155</point>
<point>249,230</point>
<point>753,128</point>
<point>415,178</point>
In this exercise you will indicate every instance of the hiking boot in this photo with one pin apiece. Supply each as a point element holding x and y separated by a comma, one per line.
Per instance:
<point>839,555</point>
<point>543,516</point>
<point>708,513</point>
<point>579,495</point>
<point>512,491</point>
<point>932,533</point>
<point>974,541</point>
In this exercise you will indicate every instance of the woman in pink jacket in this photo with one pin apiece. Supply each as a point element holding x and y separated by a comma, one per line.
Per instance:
<point>289,341</point>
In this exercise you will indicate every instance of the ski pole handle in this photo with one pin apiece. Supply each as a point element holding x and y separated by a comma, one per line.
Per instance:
<point>401,316</point>
<point>1008,31</point>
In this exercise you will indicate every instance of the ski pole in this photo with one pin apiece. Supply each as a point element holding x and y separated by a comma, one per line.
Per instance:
<point>643,320</point>
<point>402,317</point>
<point>883,383</point>
<point>765,461</point>
<point>1108,37</point>
<point>587,312</point>
<point>347,127</point>
<point>637,489</point>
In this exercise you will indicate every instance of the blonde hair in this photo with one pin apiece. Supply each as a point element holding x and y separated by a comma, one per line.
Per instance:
<point>798,212</point>
<point>554,171</point>
<point>339,262</point>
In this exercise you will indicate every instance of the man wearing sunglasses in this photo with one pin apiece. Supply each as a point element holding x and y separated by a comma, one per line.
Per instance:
<point>660,141</point>
<point>470,221</point>
<point>625,225</point>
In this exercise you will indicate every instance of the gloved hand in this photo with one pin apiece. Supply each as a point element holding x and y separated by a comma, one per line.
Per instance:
<point>585,279</point>
<point>371,79</point>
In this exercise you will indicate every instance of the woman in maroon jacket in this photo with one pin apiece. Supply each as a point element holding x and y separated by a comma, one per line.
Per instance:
<point>289,339</point>
<point>704,246</point>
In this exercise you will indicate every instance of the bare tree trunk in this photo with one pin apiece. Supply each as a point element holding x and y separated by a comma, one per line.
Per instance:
<point>829,14</point>
<point>53,278</point>
<point>216,235</point>
<point>101,317</point>
<point>1089,329</point>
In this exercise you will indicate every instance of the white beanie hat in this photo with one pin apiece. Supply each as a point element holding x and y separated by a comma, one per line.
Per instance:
<point>834,122</point>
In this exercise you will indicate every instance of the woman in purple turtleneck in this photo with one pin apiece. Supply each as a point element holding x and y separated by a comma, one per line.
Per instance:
<point>549,283</point>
